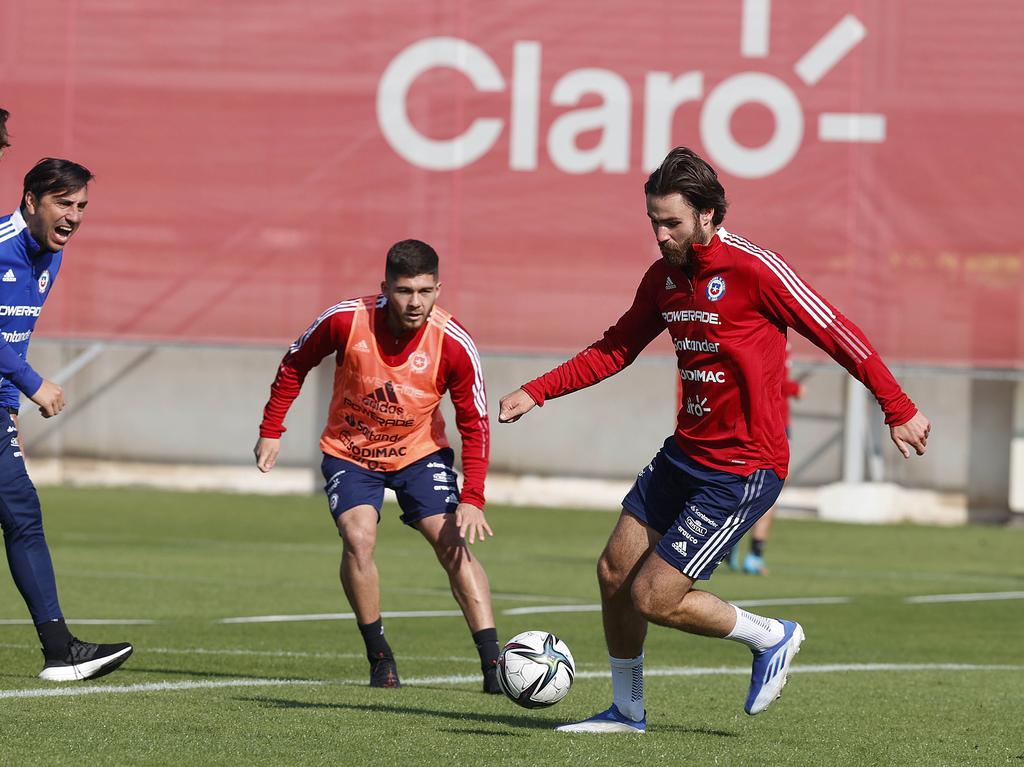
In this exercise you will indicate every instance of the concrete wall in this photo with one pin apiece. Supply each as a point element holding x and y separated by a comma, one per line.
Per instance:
<point>203,405</point>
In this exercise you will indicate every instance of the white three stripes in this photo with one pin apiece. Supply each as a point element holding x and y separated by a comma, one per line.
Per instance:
<point>459,334</point>
<point>715,545</point>
<point>817,309</point>
<point>344,306</point>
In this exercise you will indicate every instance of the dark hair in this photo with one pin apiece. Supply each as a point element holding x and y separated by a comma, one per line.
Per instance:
<point>4,141</point>
<point>52,176</point>
<point>410,258</point>
<point>684,172</point>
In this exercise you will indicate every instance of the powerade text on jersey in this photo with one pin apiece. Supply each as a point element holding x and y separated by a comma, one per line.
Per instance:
<point>27,274</point>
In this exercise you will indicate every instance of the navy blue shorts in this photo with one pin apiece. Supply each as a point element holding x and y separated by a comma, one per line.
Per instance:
<point>700,512</point>
<point>424,488</point>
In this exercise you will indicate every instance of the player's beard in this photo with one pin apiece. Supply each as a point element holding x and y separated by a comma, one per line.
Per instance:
<point>679,254</point>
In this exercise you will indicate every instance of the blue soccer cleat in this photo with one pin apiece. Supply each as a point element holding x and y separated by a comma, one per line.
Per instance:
<point>754,565</point>
<point>771,666</point>
<point>611,720</point>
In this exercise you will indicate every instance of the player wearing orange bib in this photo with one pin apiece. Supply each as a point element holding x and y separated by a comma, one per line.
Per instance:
<point>396,356</point>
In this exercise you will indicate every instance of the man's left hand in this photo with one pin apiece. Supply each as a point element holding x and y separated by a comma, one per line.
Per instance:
<point>913,434</point>
<point>471,522</point>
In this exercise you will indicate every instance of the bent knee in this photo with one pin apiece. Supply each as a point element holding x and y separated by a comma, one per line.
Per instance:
<point>358,541</point>
<point>609,577</point>
<point>645,599</point>
<point>658,602</point>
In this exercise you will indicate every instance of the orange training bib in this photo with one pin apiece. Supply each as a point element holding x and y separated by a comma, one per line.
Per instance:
<point>383,417</point>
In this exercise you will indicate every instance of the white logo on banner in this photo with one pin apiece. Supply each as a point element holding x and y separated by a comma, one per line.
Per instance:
<point>664,93</point>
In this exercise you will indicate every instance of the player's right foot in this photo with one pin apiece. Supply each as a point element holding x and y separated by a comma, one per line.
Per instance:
<point>384,673</point>
<point>611,720</point>
<point>771,666</point>
<point>84,660</point>
<point>491,684</point>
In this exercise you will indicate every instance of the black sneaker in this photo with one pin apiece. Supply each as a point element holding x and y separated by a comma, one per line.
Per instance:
<point>85,660</point>
<point>491,684</point>
<point>384,673</point>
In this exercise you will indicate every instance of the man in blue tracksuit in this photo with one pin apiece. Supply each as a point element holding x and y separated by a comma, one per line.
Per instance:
<point>31,243</point>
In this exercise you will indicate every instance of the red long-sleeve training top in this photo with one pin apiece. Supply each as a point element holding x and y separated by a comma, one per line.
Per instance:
<point>728,324</point>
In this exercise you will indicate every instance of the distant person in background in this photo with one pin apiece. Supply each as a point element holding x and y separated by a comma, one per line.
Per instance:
<point>396,354</point>
<point>726,303</point>
<point>32,240</point>
<point>753,563</point>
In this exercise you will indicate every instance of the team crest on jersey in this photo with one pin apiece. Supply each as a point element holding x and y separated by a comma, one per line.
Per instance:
<point>419,361</point>
<point>44,280</point>
<point>716,288</point>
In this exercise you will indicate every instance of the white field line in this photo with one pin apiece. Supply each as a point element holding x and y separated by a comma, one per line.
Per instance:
<point>84,621</point>
<point>62,692</point>
<point>533,610</point>
<point>538,609</point>
<point>990,596</point>
<point>57,692</point>
<point>341,616</point>
<point>240,652</point>
<point>680,671</point>
<point>740,602</point>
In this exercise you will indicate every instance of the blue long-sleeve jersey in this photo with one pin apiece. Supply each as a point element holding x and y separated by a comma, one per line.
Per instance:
<point>27,274</point>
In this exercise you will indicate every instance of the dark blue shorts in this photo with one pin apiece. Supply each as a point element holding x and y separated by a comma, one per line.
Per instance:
<point>424,488</point>
<point>700,512</point>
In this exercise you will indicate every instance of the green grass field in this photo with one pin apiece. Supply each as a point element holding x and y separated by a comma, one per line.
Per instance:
<point>200,691</point>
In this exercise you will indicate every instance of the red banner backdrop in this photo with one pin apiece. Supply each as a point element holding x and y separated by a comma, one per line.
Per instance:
<point>256,159</point>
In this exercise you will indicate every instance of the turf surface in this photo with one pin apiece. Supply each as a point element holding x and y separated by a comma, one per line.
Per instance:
<point>202,691</point>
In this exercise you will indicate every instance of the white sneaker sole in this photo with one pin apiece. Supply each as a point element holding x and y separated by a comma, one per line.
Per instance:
<point>599,727</point>
<point>773,691</point>
<point>87,670</point>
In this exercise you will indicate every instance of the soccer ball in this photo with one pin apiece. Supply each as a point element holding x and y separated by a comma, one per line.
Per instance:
<point>535,669</point>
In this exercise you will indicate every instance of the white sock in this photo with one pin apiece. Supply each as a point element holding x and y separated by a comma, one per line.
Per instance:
<point>628,685</point>
<point>755,631</point>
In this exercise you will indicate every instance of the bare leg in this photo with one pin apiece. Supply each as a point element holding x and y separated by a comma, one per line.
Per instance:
<point>466,575</point>
<point>359,576</point>
<point>665,596</point>
<point>763,527</point>
<point>629,545</point>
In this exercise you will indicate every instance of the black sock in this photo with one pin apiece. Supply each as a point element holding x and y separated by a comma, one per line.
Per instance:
<point>373,636</point>
<point>54,637</point>
<point>757,547</point>
<point>487,645</point>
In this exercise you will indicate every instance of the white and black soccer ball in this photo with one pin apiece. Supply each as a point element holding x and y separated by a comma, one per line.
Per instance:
<point>535,669</point>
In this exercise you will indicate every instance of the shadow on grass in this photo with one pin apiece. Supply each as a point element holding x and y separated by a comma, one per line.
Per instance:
<point>471,731</point>
<point>524,722</point>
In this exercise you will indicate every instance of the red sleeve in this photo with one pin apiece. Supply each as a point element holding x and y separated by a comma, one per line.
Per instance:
<point>463,377</point>
<point>621,344</point>
<point>328,334</point>
<point>789,300</point>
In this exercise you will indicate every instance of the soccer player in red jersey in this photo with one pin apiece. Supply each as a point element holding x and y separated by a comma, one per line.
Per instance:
<point>396,354</point>
<point>727,304</point>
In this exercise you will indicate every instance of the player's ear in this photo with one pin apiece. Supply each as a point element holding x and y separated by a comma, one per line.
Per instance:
<point>437,290</point>
<point>30,203</point>
<point>384,286</point>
